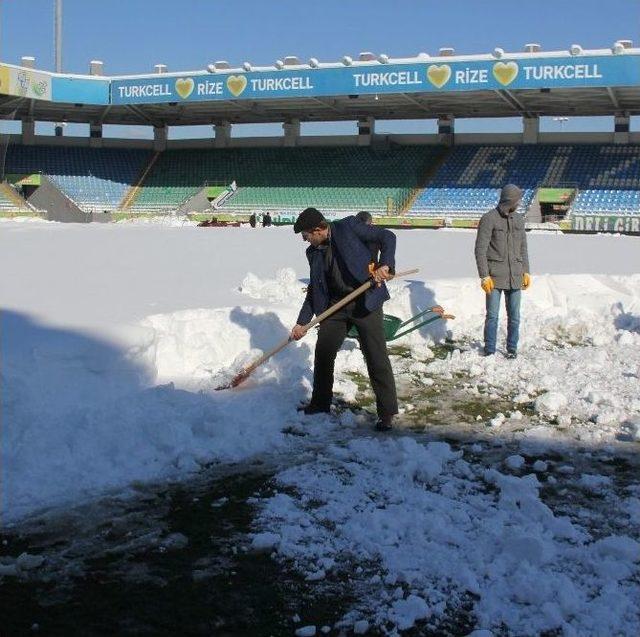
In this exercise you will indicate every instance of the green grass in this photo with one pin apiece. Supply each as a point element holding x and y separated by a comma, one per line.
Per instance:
<point>442,350</point>
<point>365,397</point>
<point>399,350</point>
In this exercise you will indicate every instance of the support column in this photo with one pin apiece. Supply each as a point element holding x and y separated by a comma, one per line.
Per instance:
<point>366,130</point>
<point>222,131</point>
<point>28,132</point>
<point>621,128</point>
<point>291,132</point>
<point>160,137</point>
<point>530,130</point>
<point>96,68</point>
<point>28,124</point>
<point>95,134</point>
<point>446,129</point>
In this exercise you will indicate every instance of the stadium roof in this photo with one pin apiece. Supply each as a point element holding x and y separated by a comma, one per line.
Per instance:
<point>574,83</point>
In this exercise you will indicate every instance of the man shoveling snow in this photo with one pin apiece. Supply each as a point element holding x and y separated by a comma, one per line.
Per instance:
<point>339,261</point>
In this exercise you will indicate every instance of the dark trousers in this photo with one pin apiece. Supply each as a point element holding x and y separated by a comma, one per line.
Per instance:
<point>331,335</point>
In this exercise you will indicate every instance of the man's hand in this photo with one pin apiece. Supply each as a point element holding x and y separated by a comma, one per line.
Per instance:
<point>381,274</point>
<point>526,281</point>
<point>487,284</point>
<point>298,332</point>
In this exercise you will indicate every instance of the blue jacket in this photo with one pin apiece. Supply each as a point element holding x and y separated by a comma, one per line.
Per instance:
<point>349,238</point>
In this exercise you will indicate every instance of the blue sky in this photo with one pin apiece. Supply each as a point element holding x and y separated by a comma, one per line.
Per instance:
<point>130,36</point>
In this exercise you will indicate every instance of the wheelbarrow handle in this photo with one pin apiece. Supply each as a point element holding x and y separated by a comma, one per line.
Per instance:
<point>438,315</point>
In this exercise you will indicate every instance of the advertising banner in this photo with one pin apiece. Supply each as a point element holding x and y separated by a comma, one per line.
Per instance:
<point>626,224</point>
<point>440,77</point>
<point>25,83</point>
<point>80,91</point>
<point>24,179</point>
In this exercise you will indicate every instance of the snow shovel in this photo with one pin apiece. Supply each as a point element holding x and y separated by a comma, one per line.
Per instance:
<point>249,369</point>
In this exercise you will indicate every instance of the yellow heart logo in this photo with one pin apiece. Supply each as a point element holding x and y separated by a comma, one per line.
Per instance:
<point>184,87</point>
<point>236,84</point>
<point>439,75</point>
<point>505,73</point>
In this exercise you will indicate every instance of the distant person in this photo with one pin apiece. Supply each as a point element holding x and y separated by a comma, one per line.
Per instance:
<point>365,217</point>
<point>252,220</point>
<point>266,220</point>
<point>339,263</point>
<point>374,248</point>
<point>503,266</point>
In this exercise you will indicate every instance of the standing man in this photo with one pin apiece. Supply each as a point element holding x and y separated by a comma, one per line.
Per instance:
<point>252,220</point>
<point>503,266</point>
<point>365,217</point>
<point>374,248</point>
<point>339,263</point>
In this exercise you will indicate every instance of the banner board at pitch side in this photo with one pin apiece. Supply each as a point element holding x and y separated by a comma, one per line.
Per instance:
<point>436,77</point>
<point>624,224</point>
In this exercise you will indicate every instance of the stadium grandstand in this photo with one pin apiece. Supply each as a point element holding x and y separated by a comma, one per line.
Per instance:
<point>577,181</point>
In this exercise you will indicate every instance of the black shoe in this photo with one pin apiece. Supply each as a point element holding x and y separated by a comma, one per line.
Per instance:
<point>385,423</point>
<point>311,409</point>
<point>485,353</point>
<point>511,355</point>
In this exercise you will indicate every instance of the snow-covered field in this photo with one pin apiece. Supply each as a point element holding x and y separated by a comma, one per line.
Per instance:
<point>115,336</point>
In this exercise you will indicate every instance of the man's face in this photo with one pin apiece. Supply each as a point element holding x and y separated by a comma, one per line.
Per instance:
<point>316,236</point>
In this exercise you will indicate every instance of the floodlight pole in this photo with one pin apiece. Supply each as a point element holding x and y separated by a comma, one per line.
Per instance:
<point>57,46</point>
<point>58,36</point>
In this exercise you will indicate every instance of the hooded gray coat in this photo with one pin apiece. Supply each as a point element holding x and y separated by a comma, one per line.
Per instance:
<point>501,245</point>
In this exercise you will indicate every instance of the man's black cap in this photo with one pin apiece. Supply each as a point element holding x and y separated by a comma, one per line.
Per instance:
<point>308,219</point>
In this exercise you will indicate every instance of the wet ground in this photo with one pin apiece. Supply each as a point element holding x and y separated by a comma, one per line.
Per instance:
<point>175,558</point>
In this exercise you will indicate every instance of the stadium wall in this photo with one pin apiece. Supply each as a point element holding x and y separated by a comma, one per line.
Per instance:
<point>326,140</point>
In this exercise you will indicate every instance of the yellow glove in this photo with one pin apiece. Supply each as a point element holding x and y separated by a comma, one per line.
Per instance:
<point>487,284</point>
<point>526,281</point>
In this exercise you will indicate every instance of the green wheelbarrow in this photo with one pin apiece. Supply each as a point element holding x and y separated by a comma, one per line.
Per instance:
<point>395,327</point>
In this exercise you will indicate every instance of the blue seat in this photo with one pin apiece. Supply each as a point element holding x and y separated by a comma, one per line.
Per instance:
<point>469,181</point>
<point>94,178</point>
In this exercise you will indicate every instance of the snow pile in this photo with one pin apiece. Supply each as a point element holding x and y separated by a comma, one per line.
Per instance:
<point>99,413</point>
<point>115,336</point>
<point>83,416</point>
<point>568,387</point>
<point>550,404</point>
<point>422,533</point>
<point>285,287</point>
<point>194,347</point>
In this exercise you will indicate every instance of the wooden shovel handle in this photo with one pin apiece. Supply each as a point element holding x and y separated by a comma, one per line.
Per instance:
<point>245,372</point>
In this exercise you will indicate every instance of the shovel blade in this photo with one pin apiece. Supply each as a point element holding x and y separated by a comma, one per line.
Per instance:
<point>236,380</point>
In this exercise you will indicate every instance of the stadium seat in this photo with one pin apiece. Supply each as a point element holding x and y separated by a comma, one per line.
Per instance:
<point>330,178</point>
<point>466,182</point>
<point>96,179</point>
<point>606,177</point>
